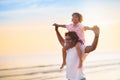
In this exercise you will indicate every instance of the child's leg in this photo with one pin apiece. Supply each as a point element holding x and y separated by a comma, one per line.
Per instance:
<point>64,57</point>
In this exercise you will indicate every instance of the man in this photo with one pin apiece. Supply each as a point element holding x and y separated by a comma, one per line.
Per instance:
<point>76,52</point>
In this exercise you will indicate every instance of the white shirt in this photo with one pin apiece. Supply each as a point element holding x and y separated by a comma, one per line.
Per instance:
<point>72,62</point>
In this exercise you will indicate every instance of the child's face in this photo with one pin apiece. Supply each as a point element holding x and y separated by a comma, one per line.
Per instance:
<point>75,19</point>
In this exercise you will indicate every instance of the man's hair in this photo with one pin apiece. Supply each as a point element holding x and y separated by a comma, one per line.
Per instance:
<point>79,16</point>
<point>73,35</point>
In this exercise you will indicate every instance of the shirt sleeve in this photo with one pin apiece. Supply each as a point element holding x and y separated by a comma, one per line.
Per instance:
<point>68,27</point>
<point>82,27</point>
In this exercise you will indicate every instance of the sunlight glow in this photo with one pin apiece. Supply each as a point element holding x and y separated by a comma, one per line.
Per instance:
<point>26,26</point>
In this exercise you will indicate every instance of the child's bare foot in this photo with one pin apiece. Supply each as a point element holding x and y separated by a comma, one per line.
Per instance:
<point>63,64</point>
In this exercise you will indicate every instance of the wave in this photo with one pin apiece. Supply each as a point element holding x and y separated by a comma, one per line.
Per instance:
<point>47,72</point>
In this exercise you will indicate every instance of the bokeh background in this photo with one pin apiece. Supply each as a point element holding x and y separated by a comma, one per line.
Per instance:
<point>26,25</point>
<point>28,41</point>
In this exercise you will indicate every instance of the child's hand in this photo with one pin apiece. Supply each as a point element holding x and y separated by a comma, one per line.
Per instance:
<point>94,27</point>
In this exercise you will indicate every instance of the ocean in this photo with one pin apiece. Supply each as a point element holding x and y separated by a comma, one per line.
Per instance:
<point>39,66</point>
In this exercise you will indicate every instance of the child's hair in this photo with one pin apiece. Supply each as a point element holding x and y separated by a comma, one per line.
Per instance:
<point>73,36</point>
<point>79,16</point>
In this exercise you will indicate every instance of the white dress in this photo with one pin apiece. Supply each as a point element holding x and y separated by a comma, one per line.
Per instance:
<point>72,62</point>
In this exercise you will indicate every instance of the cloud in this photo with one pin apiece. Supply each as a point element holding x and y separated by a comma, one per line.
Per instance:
<point>31,7</point>
<point>20,4</point>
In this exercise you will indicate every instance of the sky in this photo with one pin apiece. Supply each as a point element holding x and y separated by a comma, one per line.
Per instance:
<point>26,25</point>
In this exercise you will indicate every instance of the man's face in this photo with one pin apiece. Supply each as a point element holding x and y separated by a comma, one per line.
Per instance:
<point>68,40</point>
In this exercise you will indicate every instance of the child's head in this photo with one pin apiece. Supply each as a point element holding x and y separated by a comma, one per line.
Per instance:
<point>76,17</point>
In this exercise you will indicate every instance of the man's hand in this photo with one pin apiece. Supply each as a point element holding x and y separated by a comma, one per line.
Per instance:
<point>96,30</point>
<point>55,24</point>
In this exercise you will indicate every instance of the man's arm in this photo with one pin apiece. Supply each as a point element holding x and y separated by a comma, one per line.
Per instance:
<point>95,42</point>
<point>60,38</point>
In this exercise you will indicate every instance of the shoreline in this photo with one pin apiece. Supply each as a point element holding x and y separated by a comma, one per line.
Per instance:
<point>106,71</point>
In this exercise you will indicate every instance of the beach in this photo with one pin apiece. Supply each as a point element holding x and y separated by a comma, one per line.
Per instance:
<point>46,67</point>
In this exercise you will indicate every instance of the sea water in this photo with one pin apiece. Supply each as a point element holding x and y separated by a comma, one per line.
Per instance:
<point>45,66</point>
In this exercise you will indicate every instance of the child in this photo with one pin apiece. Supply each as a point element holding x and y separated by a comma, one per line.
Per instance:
<point>78,28</point>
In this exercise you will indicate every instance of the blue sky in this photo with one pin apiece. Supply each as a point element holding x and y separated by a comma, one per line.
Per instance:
<point>23,7</point>
<point>27,11</point>
<point>7,5</point>
<point>19,4</point>
<point>20,8</point>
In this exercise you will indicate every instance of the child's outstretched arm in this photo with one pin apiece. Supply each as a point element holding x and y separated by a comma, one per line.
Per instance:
<point>88,28</point>
<point>59,25</point>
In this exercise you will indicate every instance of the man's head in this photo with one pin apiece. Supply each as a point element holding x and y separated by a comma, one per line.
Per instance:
<point>71,38</point>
